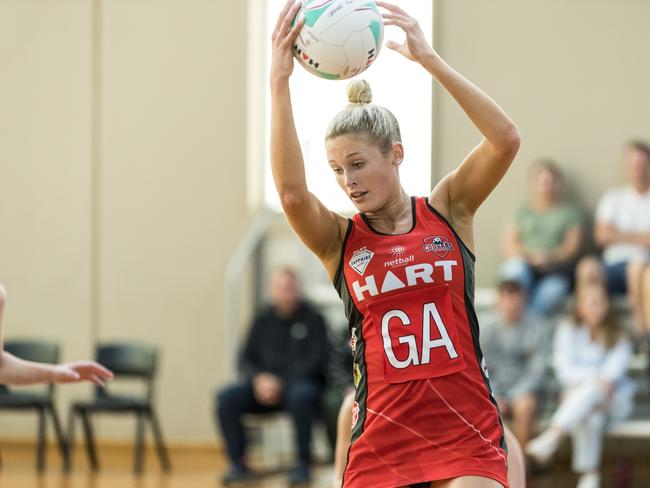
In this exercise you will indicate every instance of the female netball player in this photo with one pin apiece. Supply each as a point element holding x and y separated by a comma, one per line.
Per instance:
<point>16,371</point>
<point>423,413</point>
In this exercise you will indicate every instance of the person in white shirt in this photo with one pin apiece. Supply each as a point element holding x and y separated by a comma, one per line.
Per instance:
<point>590,358</point>
<point>623,232</point>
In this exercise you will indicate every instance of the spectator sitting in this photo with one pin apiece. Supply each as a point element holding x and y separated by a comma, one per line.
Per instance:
<point>623,231</point>
<point>542,244</point>
<point>514,348</point>
<point>590,358</point>
<point>284,362</point>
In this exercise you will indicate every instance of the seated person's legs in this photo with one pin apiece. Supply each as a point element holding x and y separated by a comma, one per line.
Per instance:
<point>523,414</point>
<point>330,405</point>
<point>576,405</point>
<point>645,305</point>
<point>516,269</point>
<point>635,273</point>
<point>301,400</point>
<point>591,270</point>
<point>587,440</point>
<point>231,403</point>
<point>616,278</point>
<point>548,294</point>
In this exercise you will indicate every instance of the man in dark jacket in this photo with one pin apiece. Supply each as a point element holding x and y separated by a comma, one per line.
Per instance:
<point>283,362</point>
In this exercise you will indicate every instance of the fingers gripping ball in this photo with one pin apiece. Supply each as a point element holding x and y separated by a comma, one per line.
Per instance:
<point>340,38</point>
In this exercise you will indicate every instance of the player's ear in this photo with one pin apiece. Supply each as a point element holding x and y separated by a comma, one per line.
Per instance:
<point>398,153</point>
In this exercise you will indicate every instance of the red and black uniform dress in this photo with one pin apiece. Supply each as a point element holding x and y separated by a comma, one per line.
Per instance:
<point>423,407</point>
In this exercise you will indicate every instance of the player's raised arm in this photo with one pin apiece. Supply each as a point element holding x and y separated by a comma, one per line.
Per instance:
<point>322,231</point>
<point>469,185</point>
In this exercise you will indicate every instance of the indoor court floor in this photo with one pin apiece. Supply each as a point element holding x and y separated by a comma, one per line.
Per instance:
<point>200,468</point>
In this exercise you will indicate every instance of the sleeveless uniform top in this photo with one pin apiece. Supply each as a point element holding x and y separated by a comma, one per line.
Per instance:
<point>423,407</point>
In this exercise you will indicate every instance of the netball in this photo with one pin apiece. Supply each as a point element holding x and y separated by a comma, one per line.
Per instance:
<point>340,39</point>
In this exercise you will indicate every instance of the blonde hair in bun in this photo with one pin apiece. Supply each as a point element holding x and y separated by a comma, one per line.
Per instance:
<point>363,118</point>
<point>359,91</point>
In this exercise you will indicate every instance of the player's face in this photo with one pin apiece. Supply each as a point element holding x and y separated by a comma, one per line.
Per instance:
<point>362,171</point>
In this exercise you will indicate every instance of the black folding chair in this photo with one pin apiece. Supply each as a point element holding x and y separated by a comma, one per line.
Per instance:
<point>41,401</point>
<point>126,360</point>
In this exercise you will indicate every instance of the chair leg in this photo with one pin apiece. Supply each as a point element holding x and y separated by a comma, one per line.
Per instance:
<point>71,437</point>
<point>61,440</point>
<point>90,441</point>
<point>139,444</point>
<point>160,445</point>
<point>40,448</point>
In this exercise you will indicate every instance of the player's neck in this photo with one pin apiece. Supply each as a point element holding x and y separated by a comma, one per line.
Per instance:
<point>395,217</point>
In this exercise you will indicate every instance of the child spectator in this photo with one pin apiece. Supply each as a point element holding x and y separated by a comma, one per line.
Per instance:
<point>590,358</point>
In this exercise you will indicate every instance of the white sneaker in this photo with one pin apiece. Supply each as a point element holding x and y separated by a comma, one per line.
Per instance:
<point>589,480</point>
<point>542,448</point>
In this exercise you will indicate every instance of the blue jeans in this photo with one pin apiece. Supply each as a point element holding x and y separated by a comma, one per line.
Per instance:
<point>545,291</point>
<point>300,400</point>
<point>616,278</point>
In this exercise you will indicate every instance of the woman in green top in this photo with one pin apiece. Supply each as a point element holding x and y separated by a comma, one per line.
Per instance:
<point>543,242</point>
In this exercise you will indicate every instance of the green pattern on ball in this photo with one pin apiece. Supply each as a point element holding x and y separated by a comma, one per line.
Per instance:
<point>311,16</point>
<point>375,27</point>
<point>328,76</point>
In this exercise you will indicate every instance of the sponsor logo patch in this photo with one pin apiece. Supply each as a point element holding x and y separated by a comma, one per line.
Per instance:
<point>361,259</point>
<point>399,261</point>
<point>397,251</point>
<point>355,414</point>
<point>353,340</point>
<point>356,375</point>
<point>438,245</point>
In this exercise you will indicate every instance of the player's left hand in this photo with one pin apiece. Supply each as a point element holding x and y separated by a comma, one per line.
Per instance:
<point>415,47</point>
<point>77,371</point>
<point>284,35</point>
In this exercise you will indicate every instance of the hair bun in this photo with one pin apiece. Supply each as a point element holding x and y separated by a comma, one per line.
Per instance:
<point>359,91</point>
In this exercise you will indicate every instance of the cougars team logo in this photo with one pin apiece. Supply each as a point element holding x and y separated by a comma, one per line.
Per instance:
<point>360,260</point>
<point>438,245</point>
